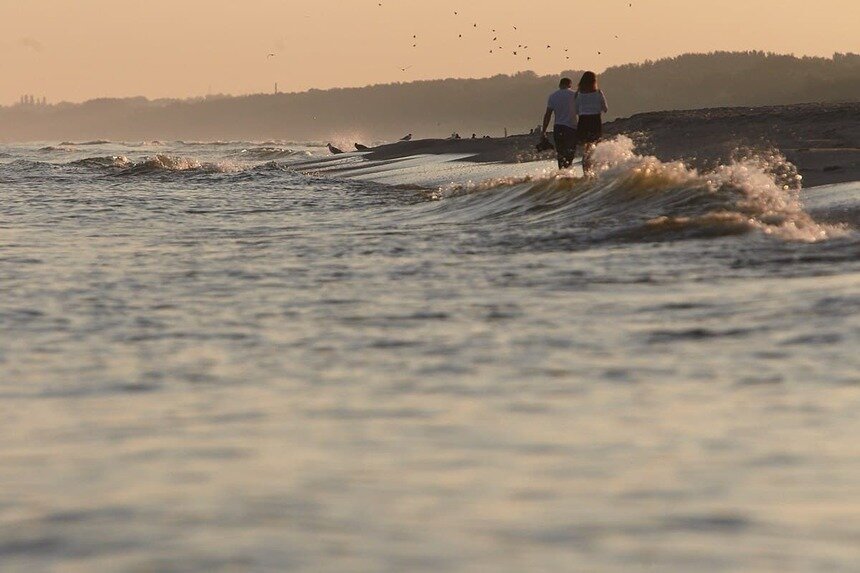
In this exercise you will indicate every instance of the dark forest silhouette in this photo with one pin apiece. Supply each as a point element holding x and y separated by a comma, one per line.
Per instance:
<point>439,107</point>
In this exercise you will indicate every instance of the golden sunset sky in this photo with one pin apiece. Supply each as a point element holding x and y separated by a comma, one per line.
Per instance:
<point>79,49</point>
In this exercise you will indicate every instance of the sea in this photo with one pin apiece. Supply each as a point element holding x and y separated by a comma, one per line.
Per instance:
<point>255,356</point>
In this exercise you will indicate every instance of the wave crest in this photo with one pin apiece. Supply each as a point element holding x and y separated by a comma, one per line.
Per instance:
<point>635,197</point>
<point>269,153</point>
<point>84,143</point>
<point>106,162</point>
<point>171,163</point>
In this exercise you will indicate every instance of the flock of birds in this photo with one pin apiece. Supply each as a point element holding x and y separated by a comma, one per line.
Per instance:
<point>494,44</point>
<point>520,50</point>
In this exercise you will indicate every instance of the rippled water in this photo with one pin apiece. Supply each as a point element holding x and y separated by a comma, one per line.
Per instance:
<point>239,357</point>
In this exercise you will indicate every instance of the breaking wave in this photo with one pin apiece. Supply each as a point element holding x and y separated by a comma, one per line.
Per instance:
<point>85,143</point>
<point>156,164</point>
<point>107,162</point>
<point>268,154</point>
<point>640,198</point>
<point>53,149</point>
<point>170,163</point>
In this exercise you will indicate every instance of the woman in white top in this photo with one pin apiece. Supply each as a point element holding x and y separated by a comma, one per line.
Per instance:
<point>590,103</point>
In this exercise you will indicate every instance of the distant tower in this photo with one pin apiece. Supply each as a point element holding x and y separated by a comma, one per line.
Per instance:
<point>276,88</point>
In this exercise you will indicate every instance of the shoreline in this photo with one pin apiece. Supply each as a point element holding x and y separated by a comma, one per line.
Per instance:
<point>822,140</point>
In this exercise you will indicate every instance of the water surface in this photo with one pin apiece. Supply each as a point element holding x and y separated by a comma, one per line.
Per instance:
<point>227,357</point>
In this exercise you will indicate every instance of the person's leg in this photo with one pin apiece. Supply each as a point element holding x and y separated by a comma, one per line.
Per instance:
<point>558,138</point>
<point>587,164</point>
<point>566,147</point>
<point>595,129</point>
<point>570,149</point>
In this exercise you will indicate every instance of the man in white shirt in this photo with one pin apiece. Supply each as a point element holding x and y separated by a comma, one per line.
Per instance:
<point>562,104</point>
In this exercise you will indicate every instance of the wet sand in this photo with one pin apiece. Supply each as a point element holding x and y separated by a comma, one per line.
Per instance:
<point>823,140</point>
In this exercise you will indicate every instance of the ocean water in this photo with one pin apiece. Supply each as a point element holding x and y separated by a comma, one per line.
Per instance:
<point>251,357</point>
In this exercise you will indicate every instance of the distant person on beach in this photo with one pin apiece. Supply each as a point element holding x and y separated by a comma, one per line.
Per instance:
<point>590,104</point>
<point>561,104</point>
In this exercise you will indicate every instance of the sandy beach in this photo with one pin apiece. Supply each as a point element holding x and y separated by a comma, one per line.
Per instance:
<point>822,140</point>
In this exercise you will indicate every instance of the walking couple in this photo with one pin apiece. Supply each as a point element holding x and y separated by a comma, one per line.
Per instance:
<point>577,119</point>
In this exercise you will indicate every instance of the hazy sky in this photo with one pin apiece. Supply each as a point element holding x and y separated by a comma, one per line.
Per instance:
<point>79,49</point>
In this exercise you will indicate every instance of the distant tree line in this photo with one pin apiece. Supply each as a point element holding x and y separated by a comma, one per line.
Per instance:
<point>440,107</point>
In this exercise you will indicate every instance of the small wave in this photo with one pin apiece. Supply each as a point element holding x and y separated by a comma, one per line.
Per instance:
<point>83,143</point>
<point>52,149</point>
<point>154,143</point>
<point>270,166</point>
<point>269,153</point>
<point>27,167</point>
<point>169,163</point>
<point>210,143</point>
<point>107,162</point>
<point>641,198</point>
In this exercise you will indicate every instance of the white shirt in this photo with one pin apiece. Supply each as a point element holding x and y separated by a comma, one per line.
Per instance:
<point>562,104</point>
<point>593,103</point>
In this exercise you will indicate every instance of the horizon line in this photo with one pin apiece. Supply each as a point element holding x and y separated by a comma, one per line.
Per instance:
<point>223,95</point>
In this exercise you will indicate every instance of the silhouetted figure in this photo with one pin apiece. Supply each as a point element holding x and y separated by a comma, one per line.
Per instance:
<point>334,150</point>
<point>407,138</point>
<point>561,104</point>
<point>589,105</point>
<point>360,147</point>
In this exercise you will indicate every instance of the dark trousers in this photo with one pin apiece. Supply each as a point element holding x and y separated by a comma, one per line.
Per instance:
<point>565,145</point>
